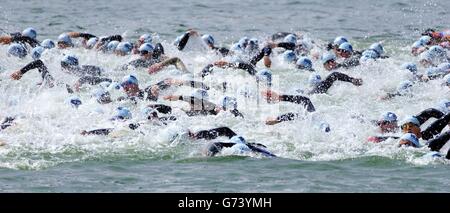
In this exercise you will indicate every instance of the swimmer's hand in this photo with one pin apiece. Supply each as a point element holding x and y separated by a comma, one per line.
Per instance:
<point>221,63</point>
<point>16,75</point>
<point>272,121</point>
<point>357,81</point>
<point>171,98</point>
<point>171,81</point>
<point>271,95</point>
<point>155,68</point>
<point>193,33</point>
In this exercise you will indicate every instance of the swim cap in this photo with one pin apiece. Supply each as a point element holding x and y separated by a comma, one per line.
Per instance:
<point>389,117</point>
<point>444,105</point>
<point>124,47</point>
<point>434,71</point>
<point>228,103</point>
<point>243,42</point>
<point>346,46</point>
<point>304,63</point>
<point>111,46</point>
<point>200,94</point>
<point>445,67</point>
<point>208,39</point>
<point>291,38</point>
<point>146,48</point>
<point>37,52</point>
<point>325,127</point>
<point>326,57</point>
<point>17,50</point>
<point>148,111</point>
<point>437,51</point>
<point>339,40</point>
<point>410,66</point>
<point>240,148</point>
<point>417,44</point>
<point>237,140</point>
<point>411,138</point>
<point>410,120</point>
<point>252,44</point>
<point>425,40</point>
<point>146,38</point>
<point>64,38</point>
<point>48,44</point>
<point>122,113</point>
<point>378,48</point>
<point>289,56</point>
<point>30,33</point>
<point>91,42</point>
<point>314,79</point>
<point>370,54</point>
<point>264,75</point>
<point>404,86</point>
<point>129,79</point>
<point>69,60</point>
<point>74,101</point>
<point>102,96</point>
<point>447,80</point>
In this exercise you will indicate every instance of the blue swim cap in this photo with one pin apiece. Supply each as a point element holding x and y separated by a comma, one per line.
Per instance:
<point>370,54</point>
<point>17,50</point>
<point>346,46</point>
<point>228,103</point>
<point>410,66</point>
<point>304,63</point>
<point>148,111</point>
<point>434,71</point>
<point>444,67</point>
<point>91,42</point>
<point>253,44</point>
<point>447,80</point>
<point>325,127</point>
<point>404,87</point>
<point>410,120</point>
<point>122,113</point>
<point>48,44</point>
<point>241,148</point>
<point>425,40</point>
<point>411,138</point>
<point>237,140</point>
<point>389,117</point>
<point>314,79</point>
<point>208,39</point>
<point>243,42</point>
<point>378,48</point>
<point>146,38</point>
<point>289,56</point>
<point>326,57</point>
<point>146,47</point>
<point>200,94</point>
<point>437,51</point>
<point>444,105</point>
<point>417,44</point>
<point>129,79</point>
<point>74,101</point>
<point>265,75</point>
<point>291,38</point>
<point>124,47</point>
<point>427,56</point>
<point>111,46</point>
<point>65,39</point>
<point>69,60</point>
<point>339,40</point>
<point>30,33</point>
<point>37,52</point>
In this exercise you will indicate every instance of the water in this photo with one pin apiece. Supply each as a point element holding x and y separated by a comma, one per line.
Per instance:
<point>45,153</point>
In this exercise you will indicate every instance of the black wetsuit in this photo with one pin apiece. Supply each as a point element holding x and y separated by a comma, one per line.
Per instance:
<point>214,133</point>
<point>162,85</point>
<point>37,64</point>
<point>203,107</point>
<point>324,85</point>
<point>84,70</point>
<point>7,122</point>
<point>437,143</point>
<point>19,38</point>
<point>244,66</point>
<point>185,38</point>
<point>297,99</point>
<point>353,61</point>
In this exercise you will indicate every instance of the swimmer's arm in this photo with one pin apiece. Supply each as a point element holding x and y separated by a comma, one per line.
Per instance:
<point>38,64</point>
<point>244,66</point>
<point>266,51</point>
<point>214,133</point>
<point>86,36</point>
<point>286,45</point>
<point>97,132</point>
<point>236,113</point>
<point>306,102</point>
<point>5,39</point>
<point>183,41</point>
<point>25,39</point>
<point>436,127</point>
<point>171,61</point>
<point>427,114</point>
<point>92,80</point>
<point>285,117</point>
<point>159,50</point>
<point>437,143</point>
<point>161,108</point>
<point>195,84</point>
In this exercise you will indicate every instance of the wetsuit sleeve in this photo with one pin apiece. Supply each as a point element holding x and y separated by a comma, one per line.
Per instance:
<point>214,133</point>
<point>287,117</point>
<point>7,122</point>
<point>323,86</point>
<point>259,150</point>
<point>224,51</point>
<point>111,38</point>
<point>247,67</point>
<point>351,62</point>
<point>236,113</point>
<point>99,132</point>
<point>436,127</point>
<point>158,51</point>
<point>207,70</point>
<point>169,118</point>
<point>91,70</point>
<point>183,41</point>
<point>86,36</point>
<point>92,80</point>
<point>38,64</point>
<point>306,102</point>
<point>25,39</point>
<point>437,143</point>
<point>266,51</point>
<point>161,108</point>
<point>286,45</point>
<point>427,114</point>
<point>196,84</point>
<point>133,126</point>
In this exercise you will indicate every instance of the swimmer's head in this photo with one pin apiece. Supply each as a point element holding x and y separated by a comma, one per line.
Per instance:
<point>17,50</point>
<point>264,75</point>
<point>74,101</point>
<point>69,61</point>
<point>345,50</point>
<point>122,113</point>
<point>410,125</point>
<point>30,33</point>
<point>146,38</point>
<point>146,49</point>
<point>410,67</point>
<point>291,38</point>
<point>149,113</point>
<point>409,139</point>
<point>289,56</point>
<point>243,42</point>
<point>208,40</point>
<point>228,103</point>
<point>36,52</point>
<point>91,42</point>
<point>404,87</point>
<point>64,41</point>
<point>378,48</point>
<point>123,48</point>
<point>314,79</point>
<point>111,46</point>
<point>329,61</point>
<point>102,96</point>
<point>425,40</point>
<point>444,105</point>
<point>48,44</point>
<point>388,122</point>
<point>339,40</point>
<point>304,63</point>
<point>129,80</point>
